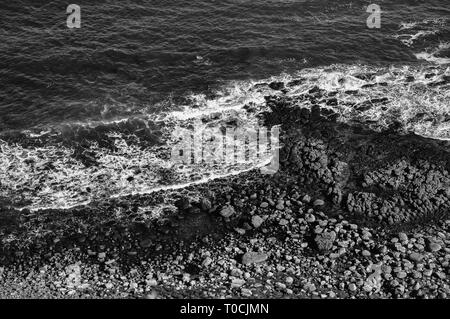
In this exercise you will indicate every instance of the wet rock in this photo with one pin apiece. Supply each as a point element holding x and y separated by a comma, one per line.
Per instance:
<point>315,89</point>
<point>277,86</point>
<point>260,85</point>
<point>332,102</point>
<point>295,82</point>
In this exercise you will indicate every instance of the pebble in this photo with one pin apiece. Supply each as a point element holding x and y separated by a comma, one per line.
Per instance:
<point>325,240</point>
<point>253,258</point>
<point>310,287</point>
<point>289,280</point>
<point>145,243</point>
<point>401,274</point>
<point>205,204</point>
<point>318,202</point>
<point>186,277</point>
<point>109,285</point>
<point>151,282</point>
<point>237,283</point>
<point>428,272</point>
<point>207,262</point>
<point>281,285</point>
<point>183,203</point>
<point>366,253</point>
<point>246,292</point>
<point>257,221</point>
<point>310,218</point>
<point>306,199</point>
<point>227,211</point>
<point>403,237</point>
<point>416,257</point>
<point>434,247</point>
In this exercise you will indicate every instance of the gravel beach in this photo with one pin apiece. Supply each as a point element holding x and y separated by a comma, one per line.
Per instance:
<point>351,213</point>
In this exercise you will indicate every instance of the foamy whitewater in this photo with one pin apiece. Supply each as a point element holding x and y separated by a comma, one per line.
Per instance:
<point>130,155</point>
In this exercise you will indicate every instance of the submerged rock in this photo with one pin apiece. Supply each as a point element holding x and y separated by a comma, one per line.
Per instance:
<point>276,86</point>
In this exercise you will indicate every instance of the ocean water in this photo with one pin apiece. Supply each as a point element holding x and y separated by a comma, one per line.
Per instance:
<point>87,114</point>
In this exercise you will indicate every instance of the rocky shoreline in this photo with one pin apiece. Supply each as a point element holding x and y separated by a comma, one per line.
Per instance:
<point>352,213</point>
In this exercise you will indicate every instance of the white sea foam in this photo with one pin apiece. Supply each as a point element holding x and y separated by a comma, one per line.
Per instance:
<point>50,176</point>
<point>410,33</point>
<point>410,39</point>
<point>432,56</point>
<point>411,102</point>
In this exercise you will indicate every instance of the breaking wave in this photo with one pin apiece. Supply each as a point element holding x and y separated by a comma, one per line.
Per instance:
<point>79,163</point>
<point>75,164</point>
<point>427,38</point>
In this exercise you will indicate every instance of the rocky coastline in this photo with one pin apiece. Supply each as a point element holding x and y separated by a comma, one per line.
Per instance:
<point>352,213</point>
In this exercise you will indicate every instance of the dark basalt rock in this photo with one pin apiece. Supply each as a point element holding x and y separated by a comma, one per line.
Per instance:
<point>295,82</point>
<point>383,176</point>
<point>183,203</point>
<point>277,86</point>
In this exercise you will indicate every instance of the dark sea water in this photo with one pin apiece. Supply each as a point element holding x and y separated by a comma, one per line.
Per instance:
<point>84,108</point>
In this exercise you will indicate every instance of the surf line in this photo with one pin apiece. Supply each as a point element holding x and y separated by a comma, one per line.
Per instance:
<point>151,190</point>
